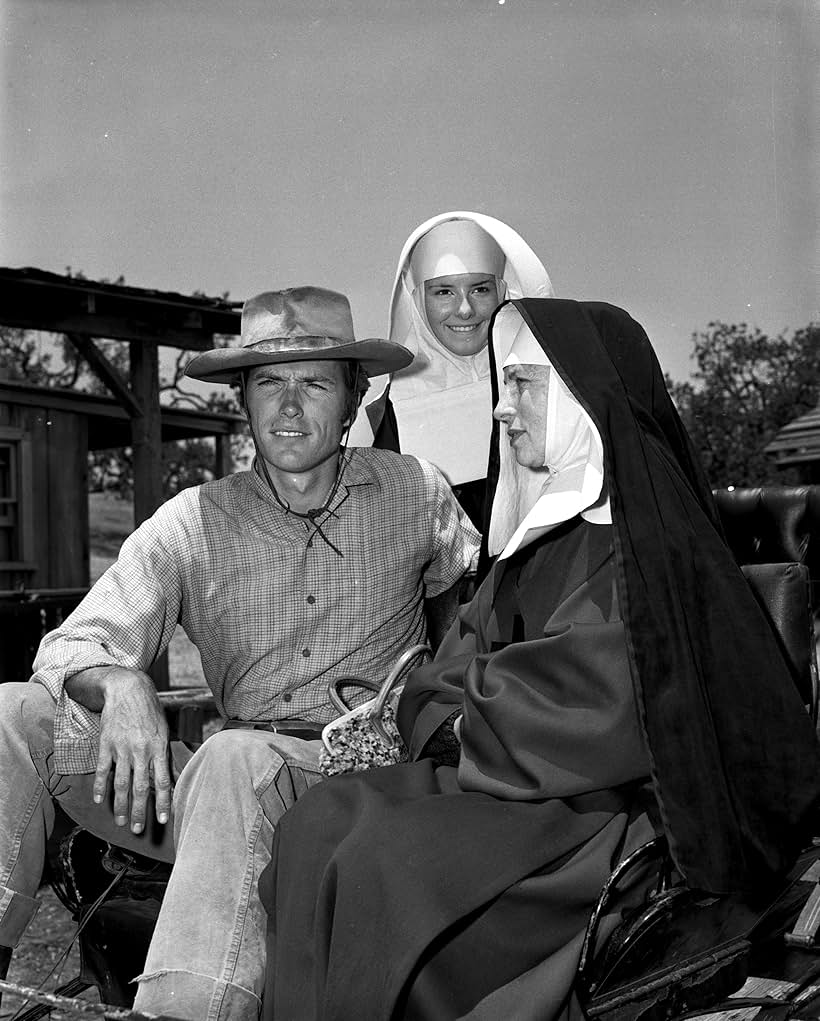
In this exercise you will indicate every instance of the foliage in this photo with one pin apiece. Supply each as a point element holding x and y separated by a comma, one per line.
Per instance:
<point>746,386</point>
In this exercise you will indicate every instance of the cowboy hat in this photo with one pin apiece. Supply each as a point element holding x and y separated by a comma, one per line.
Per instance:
<point>297,324</point>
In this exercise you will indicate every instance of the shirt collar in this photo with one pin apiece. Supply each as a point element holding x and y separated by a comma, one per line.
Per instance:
<point>357,472</point>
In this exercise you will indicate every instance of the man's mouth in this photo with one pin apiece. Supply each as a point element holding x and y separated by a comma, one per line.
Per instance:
<point>463,329</point>
<point>288,432</point>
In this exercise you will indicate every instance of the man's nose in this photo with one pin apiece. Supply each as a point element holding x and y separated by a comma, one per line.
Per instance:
<point>291,402</point>
<point>465,309</point>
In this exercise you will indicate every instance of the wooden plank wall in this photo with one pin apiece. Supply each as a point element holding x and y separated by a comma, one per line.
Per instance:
<point>68,500</point>
<point>59,500</point>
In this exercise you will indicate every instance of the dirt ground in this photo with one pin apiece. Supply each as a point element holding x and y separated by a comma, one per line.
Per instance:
<point>39,951</point>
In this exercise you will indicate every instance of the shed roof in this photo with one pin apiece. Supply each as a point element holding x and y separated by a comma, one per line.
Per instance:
<point>35,299</point>
<point>799,441</point>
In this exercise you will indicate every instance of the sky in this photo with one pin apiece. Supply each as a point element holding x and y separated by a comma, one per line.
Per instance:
<point>660,156</point>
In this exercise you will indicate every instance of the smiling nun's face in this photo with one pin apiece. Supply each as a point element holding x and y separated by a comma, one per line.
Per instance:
<point>458,310</point>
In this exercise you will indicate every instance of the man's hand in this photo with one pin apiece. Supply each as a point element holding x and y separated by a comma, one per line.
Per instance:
<point>133,741</point>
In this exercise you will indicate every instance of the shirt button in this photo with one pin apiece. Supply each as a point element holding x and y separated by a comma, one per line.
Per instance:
<point>306,653</point>
<point>287,698</point>
<point>311,600</point>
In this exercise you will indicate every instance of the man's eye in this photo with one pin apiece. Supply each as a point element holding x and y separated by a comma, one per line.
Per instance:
<point>442,292</point>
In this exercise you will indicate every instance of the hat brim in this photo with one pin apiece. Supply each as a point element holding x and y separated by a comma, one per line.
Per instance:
<point>224,364</point>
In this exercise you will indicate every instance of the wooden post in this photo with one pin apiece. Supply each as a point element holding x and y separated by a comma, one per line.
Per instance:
<point>146,432</point>
<point>223,460</point>
<point>146,442</point>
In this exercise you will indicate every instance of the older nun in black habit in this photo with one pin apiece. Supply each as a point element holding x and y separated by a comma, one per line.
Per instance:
<point>613,677</point>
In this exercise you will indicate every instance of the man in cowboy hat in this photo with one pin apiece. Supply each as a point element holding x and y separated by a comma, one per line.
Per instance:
<point>312,566</point>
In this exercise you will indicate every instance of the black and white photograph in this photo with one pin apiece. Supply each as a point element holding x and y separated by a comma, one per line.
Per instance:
<point>409,510</point>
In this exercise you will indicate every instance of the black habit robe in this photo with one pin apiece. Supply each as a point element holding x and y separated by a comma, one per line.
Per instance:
<point>614,680</point>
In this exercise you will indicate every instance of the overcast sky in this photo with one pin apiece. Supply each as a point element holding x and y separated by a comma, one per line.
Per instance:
<point>661,156</point>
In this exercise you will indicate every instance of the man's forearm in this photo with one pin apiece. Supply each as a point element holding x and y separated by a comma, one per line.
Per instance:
<point>90,687</point>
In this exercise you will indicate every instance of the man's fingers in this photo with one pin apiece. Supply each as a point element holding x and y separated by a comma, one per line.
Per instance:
<point>162,788</point>
<point>122,790</point>
<point>140,788</point>
<point>104,762</point>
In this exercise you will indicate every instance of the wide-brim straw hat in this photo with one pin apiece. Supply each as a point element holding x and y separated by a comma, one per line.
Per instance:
<point>297,324</point>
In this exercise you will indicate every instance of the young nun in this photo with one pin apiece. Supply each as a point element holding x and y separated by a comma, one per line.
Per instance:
<point>453,271</point>
<point>613,678</point>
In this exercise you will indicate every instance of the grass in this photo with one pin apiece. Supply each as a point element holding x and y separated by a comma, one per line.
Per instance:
<point>110,521</point>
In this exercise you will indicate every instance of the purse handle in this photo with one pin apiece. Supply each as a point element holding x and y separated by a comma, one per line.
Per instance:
<point>393,677</point>
<point>336,698</point>
<point>373,708</point>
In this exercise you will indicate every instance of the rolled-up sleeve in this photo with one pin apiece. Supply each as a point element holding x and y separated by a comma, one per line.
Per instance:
<point>454,541</point>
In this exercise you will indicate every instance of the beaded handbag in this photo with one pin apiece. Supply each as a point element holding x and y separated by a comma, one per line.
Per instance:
<point>366,736</point>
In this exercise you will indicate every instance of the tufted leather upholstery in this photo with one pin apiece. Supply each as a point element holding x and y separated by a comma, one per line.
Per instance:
<point>782,592</point>
<point>772,525</point>
<point>774,531</point>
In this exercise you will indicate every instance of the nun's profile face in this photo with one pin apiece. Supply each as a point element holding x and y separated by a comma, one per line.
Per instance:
<point>522,408</point>
<point>458,310</point>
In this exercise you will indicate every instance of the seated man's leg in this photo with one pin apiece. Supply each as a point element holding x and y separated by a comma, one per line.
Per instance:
<point>28,786</point>
<point>206,960</point>
<point>26,810</point>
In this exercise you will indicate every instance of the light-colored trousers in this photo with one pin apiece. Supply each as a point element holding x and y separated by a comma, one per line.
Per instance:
<point>206,959</point>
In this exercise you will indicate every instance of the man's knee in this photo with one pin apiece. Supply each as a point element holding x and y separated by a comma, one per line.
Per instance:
<point>249,765</point>
<point>26,719</point>
<point>234,755</point>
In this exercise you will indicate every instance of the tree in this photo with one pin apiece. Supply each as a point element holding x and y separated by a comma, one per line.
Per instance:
<point>37,358</point>
<point>746,387</point>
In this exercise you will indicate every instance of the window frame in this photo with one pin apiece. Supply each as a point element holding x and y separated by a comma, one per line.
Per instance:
<point>21,498</point>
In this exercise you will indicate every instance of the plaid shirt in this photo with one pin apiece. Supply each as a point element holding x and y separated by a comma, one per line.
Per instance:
<point>274,610</point>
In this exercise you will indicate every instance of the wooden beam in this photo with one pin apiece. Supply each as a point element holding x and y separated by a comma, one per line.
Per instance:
<point>146,441</point>
<point>112,328</point>
<point>121,313</point>
<point>146,436</point>
<point>105,372</point>
<point>179,422</point>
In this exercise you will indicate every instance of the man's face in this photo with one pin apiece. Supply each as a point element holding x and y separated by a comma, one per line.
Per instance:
<point>458,310</point>
<point>522,408</point>
<point>296,411</point>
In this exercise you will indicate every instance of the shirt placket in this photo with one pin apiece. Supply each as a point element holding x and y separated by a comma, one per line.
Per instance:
<point>309,642</point>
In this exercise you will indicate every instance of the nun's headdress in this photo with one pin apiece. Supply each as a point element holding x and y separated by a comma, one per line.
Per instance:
<point>442,400</point>
<point>529,502</point>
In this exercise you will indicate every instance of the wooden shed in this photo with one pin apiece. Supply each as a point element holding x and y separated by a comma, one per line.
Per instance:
<point>797,445</point>
<point>46,434</point>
